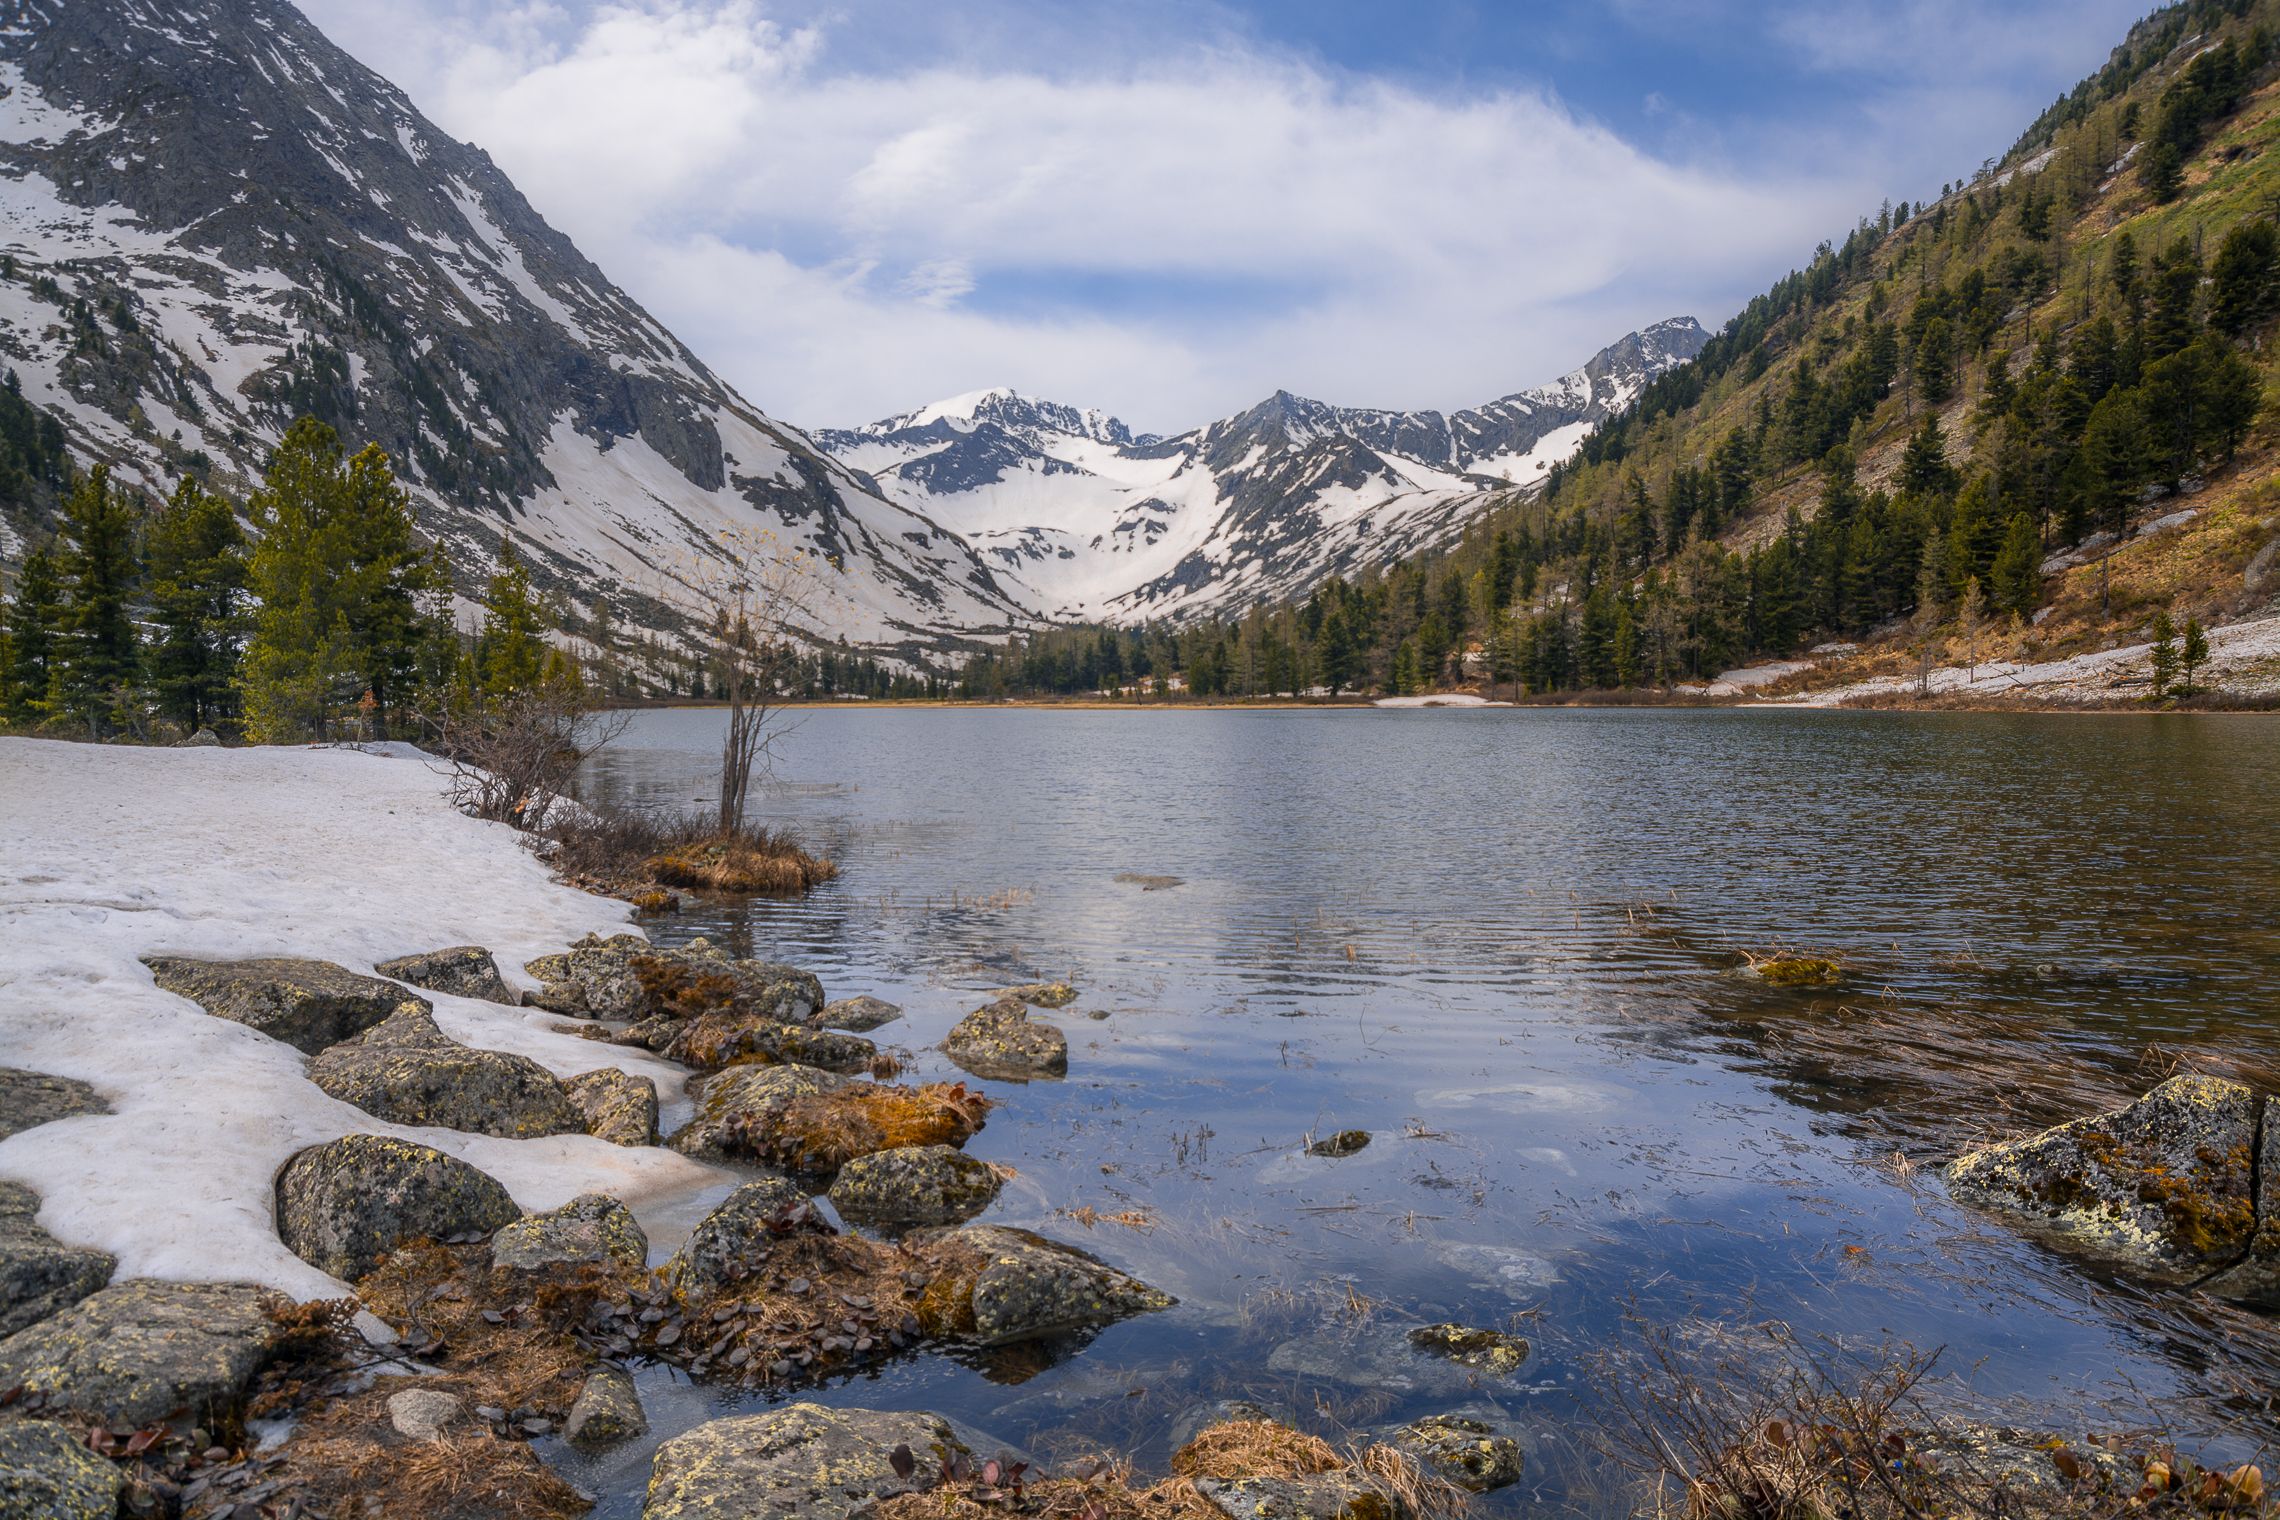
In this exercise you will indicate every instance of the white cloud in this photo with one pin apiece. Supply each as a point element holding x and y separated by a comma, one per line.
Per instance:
<point>841,244</point>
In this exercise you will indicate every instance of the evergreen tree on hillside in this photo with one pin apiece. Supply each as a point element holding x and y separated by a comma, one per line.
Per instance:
<point>195,559</point>
<point>2245,279</point>
<point>2017,572</point>
<point>36,633</point>
<point>1935,362</point>
<point>510,649</point>
<point>98,568</point>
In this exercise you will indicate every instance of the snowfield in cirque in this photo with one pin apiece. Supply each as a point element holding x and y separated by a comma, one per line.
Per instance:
<point>111,853</point>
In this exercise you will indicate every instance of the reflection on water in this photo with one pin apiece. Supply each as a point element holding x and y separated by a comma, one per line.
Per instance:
<point>1503,942</point>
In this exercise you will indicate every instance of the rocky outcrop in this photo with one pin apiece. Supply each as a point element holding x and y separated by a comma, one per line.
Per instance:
<point>140,1352</point>
<point>590,1230</point>
<point>1002,1042</point>
<point>407,1071</point>
<point>462,971</point>
<point>803,1459</point>
<point>32,1098</point>
<point>615,1105</point>
<point>308,1004</point>
<point>626,977</point>
<point>1466,1452</point>
<point>993,1286</point>
<point>607,1410</point>
<point>2165,1187</point>
<point>38,1274</point>
<point>861,1014</point>
<point>914,1185</point>
<point>734,1240</point>
<point>47,1473</point>
<point>344,1205</point>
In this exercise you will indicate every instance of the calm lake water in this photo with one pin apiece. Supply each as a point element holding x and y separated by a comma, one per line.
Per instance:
<point>1504,942</point>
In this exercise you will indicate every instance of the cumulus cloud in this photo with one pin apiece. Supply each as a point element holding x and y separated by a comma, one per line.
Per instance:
<point>1169,234</point>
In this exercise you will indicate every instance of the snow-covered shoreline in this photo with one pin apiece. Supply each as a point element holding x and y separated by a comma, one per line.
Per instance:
<point>111,853</point>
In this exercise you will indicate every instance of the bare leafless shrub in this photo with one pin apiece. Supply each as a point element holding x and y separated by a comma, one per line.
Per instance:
<point>513,758</point>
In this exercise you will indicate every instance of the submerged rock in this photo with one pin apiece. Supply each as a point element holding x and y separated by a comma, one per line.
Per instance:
<point>1484,1350</point>
<point>1344,1143</point>
<point>861,1014</point>
<point>914,1185</point>
<point>1002,1042</point>
<point>731,1037</point>
<point>1468,1453</point>
<point>29,1099</point>
<point>802,1459</point>
<point>308,1004</point>
<point>141,1351</point>
<point>462,970</point>
<point>616,1106</point>
<point>1040,994</point>
<point>591,1229</point>
<point>1197,1418</point>
<point>408,1071</point>
<point>995,1285</point>
<point>734,1240</point>
<point>1796,971</point>
<point>2162,1186</point>
<point>607,1410</point>
<point>47,1473</point>
<point>344,1205</point>
<point>39,1275</point>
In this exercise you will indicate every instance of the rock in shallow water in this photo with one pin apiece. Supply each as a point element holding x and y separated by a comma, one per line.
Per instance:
<point>626,977</point>
<point>591,1229</point>
<point>733,1241</point>
<point>728,1037</point>
<point>344,1205</point>
<point>1466,1452</point>
<point>307,1004</point>
<point>617,1106</point>
<point>38,1274</point>
<point>861,1014</point>
<point>1324,1496</point>
<point>607,1410</point>
<point>994,1286</point>
<point>1003,1043</point>
<point>47,1473</point>
<point>743,1097</point>
<point>803,1459</point>
<point>462,971</point>
<point>407,1071</point>
<point>914,1185</point>
<point>2163,1186</point>
<point>1344,1143</point>
<point>29,1099</point>
<point>1483,1350</point>
<point>141,1351</point>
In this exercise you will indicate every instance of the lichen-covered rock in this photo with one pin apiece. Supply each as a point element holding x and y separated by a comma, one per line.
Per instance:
<point>617,1106</point>
<point>1344,1143</point>
<point>744,1097</point>
<point>1483,1350</point>
<point>593,979</point>
<point>733,1241</point>
<point>32,1098</point>
<point>802,1459</point>
<point>861,1014</point>
<point>731,1037</point>
<point>607,1410</point>
<point>142,1351</point>
<point>307,1004</point>
<point>1468,1453</point>
<point>344,1205</point>
<point>2255,1278</point>
<point>38,1274</point>
<point>995,1285</point>
<point>1002,1042</point>
<point>914,1185</point>
<point>2162,1186</point>
<point>1324,1496</point>
<point>591,1229</point>
<point>626,977</point>
<point>407,1071</point>
<point>1040,994</point>
<point>47,1473</point>
<point>462,970</point>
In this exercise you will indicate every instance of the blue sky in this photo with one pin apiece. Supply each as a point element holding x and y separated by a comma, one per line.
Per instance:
<point>1171,208</point>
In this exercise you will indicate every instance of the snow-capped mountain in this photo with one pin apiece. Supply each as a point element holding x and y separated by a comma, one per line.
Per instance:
<point>1090,520</point>
<point>212,220</point>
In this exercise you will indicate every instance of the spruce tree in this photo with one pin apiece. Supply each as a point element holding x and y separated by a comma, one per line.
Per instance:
<point>36,619</point>
<point>98,568</point>
<point>2161,170</point>
<point>2164,653</point>
<point>2017,574</point>
<point>510,649</point>
<point>2193,652</point>
<point>1935,361</point>
<point>2244,282</point>
<point>195,558</point>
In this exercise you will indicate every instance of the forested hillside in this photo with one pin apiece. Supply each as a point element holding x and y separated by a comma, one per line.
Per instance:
<point>2026,419</point>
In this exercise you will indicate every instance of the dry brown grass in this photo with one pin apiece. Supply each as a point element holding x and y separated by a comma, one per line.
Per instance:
<point>632,854</point>
<point>1255,1449</point>
<point>348,1459</point>
<point>817,1134</point>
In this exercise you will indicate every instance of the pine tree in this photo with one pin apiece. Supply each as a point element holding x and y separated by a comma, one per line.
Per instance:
<point>510,650</point>
<point>1970,617</point>
<point>1935,362</point>
<point>2164,653</point>
<point>36,619</point>
<point>2245,279</point>
<point>1924,468</point>
<point>2232,393</point>
<point>2161,170</point>
<point>2176,287</point>
<point>2194,651</point>
<point>2017,574</point>
<point>194,556</point>
<point>98,564</point>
